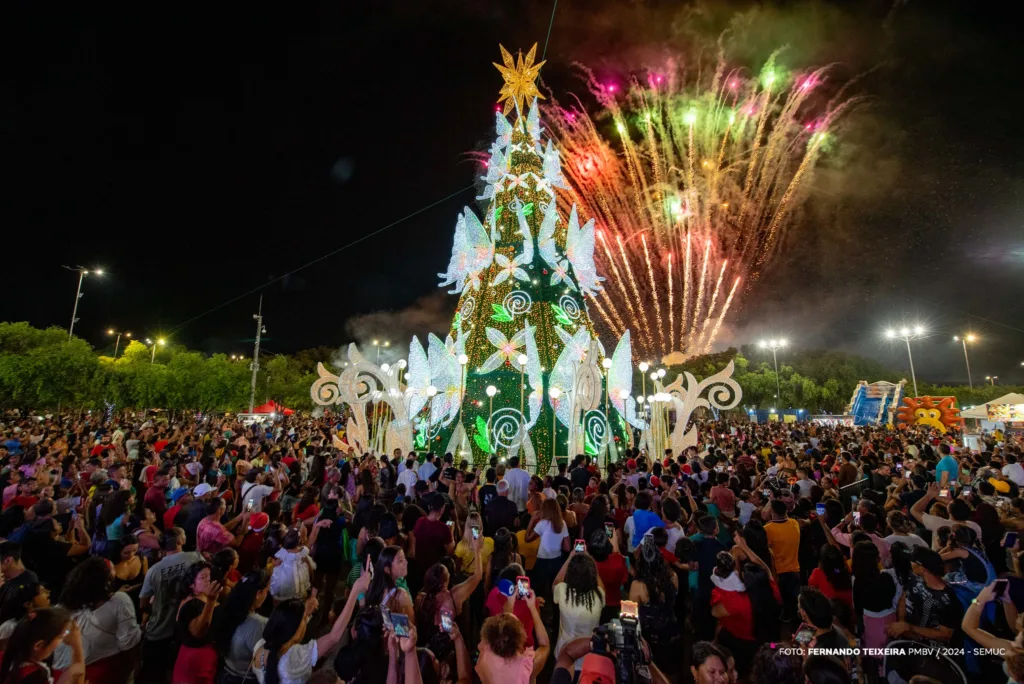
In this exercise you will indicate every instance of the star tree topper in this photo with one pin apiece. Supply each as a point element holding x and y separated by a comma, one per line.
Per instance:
<point>519,78</point>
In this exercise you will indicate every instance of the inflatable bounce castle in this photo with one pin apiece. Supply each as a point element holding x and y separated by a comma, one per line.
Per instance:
<point>875,403</point>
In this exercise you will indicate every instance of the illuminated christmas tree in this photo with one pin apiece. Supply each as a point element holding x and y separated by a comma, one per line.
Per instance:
<point>522,354</point>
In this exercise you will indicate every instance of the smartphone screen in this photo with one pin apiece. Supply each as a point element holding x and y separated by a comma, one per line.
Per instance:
<point>819,509</point>
<point>476,532</point>
<point>999,588</point>
<point>400,624</point>
<point>853,501</point>
<point>581,546</point>
<point>629,609</point>
<point>856,517</point>
<point>450,524</point>
<point>899,466</point>
<point>446,622</point>
<point>385,615</point>
<point>1010,540</point>
<point>249,504</point>
<point>944,493</point>
<point>804,635</point>
<point>523,586</point>
<point>767,493</point>
<point>609,529</point>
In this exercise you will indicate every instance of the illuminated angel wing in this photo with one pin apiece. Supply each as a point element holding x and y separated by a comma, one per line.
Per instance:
<point>579,248</point>
<point>417,377</point>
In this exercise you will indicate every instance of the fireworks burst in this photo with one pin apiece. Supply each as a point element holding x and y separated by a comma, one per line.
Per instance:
<point>693,188</point>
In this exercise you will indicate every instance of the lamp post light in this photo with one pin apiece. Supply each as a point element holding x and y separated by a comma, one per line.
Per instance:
<point>523,359</point>
<point>378,344</point>
<point>775,346</point>
<point>606,363</point>
<point>82,272</point>
<point>117,342</point>
<point>554,393</point>
<point>643,376</point>
<point>964,339</point>
<point>161,341</point>
<point>907,334</point>
<point>431,393</point>
<point>463,360</point>
<point>490,391</point>
<point>992,379</point>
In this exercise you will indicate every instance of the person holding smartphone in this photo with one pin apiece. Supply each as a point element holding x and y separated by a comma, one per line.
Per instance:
<point>504,655</point>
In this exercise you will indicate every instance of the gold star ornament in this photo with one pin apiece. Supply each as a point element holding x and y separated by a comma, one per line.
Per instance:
<point>519,78</point>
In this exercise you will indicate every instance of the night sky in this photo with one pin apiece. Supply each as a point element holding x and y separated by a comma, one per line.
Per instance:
<point>200,153</point>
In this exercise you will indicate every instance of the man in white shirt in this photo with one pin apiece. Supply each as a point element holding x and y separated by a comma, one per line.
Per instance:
<point>518,483</point>
<point>254,490</point>
<point>408,476</point>
<point>1013,470</point>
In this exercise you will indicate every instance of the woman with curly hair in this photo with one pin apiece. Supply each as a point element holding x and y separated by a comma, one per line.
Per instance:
<point>504,657</point>
<point>106,619</point>
<point>579,595</point>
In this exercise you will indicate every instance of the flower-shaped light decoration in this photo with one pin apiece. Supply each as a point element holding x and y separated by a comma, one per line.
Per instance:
<point>510,268</point>
<point>507,349</point>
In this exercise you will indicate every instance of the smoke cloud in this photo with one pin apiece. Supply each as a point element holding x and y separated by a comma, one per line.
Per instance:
<point>431,313</point>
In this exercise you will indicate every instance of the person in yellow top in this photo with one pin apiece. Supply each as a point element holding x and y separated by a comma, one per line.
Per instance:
<point>465,550</point>
<point>528,550</point>
<point>784,541</point>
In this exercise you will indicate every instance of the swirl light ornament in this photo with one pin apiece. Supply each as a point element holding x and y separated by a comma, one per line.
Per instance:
<point>570,307</point>
<point>595,429</point>
<point>723,393</point>
<point>506,428</point>
<point>468,307</point>
<point>517,302</point>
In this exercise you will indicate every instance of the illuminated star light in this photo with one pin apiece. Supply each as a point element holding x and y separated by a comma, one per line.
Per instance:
<point>519,78</point>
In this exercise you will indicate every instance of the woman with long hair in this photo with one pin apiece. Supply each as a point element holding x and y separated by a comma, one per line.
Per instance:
<point>611,570</point>
<point>115,513</point>
<point>280,657</point>
<point>348,481</point>
<point>307,509</point>
<point>966,556</point>
<point>106,618</point>
<point>197,657</point>
<point>505,553</point>
<point>654,590</point>
<point>732,605</point>
<point>831,577</point>
<point>33,642</point>
<point>547,524</point>
<point>241,627</point>
<point>597,515</point>
<point>384,591</point>
<point>366,491</point>
<point>874,594</point>
<point>579,595</point>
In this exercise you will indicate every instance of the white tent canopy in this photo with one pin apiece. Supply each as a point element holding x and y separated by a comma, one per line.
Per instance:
<point>980,411</point>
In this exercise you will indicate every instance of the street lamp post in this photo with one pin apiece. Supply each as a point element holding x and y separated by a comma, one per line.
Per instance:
<point>606,363</point>
<point>82,272</point>
<point>161,341</point>
<point>554,393</point>
<point>992,379</point>
<point>431,392</point>
<point>643,377</point>
<point>775,346</point>
<point>523,360</point>
<point>491,391</point>
<point>463,360</point>
<point>117,342</point>
<point>378,344</point>
<point>907,334</point>
<point>969,337</point>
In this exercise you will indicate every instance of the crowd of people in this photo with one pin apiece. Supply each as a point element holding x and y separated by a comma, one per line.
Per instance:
<point>207,550</point>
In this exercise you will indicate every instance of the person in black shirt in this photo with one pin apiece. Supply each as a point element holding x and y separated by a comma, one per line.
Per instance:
<point>489,490</point>
<point>500,512</point>
<point>15,574</point>
<point>580,476</point>
<point>929,608</point>
<point>560,480</point>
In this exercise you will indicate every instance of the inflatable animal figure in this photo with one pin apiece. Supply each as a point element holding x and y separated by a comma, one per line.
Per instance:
<point>940,413</point>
